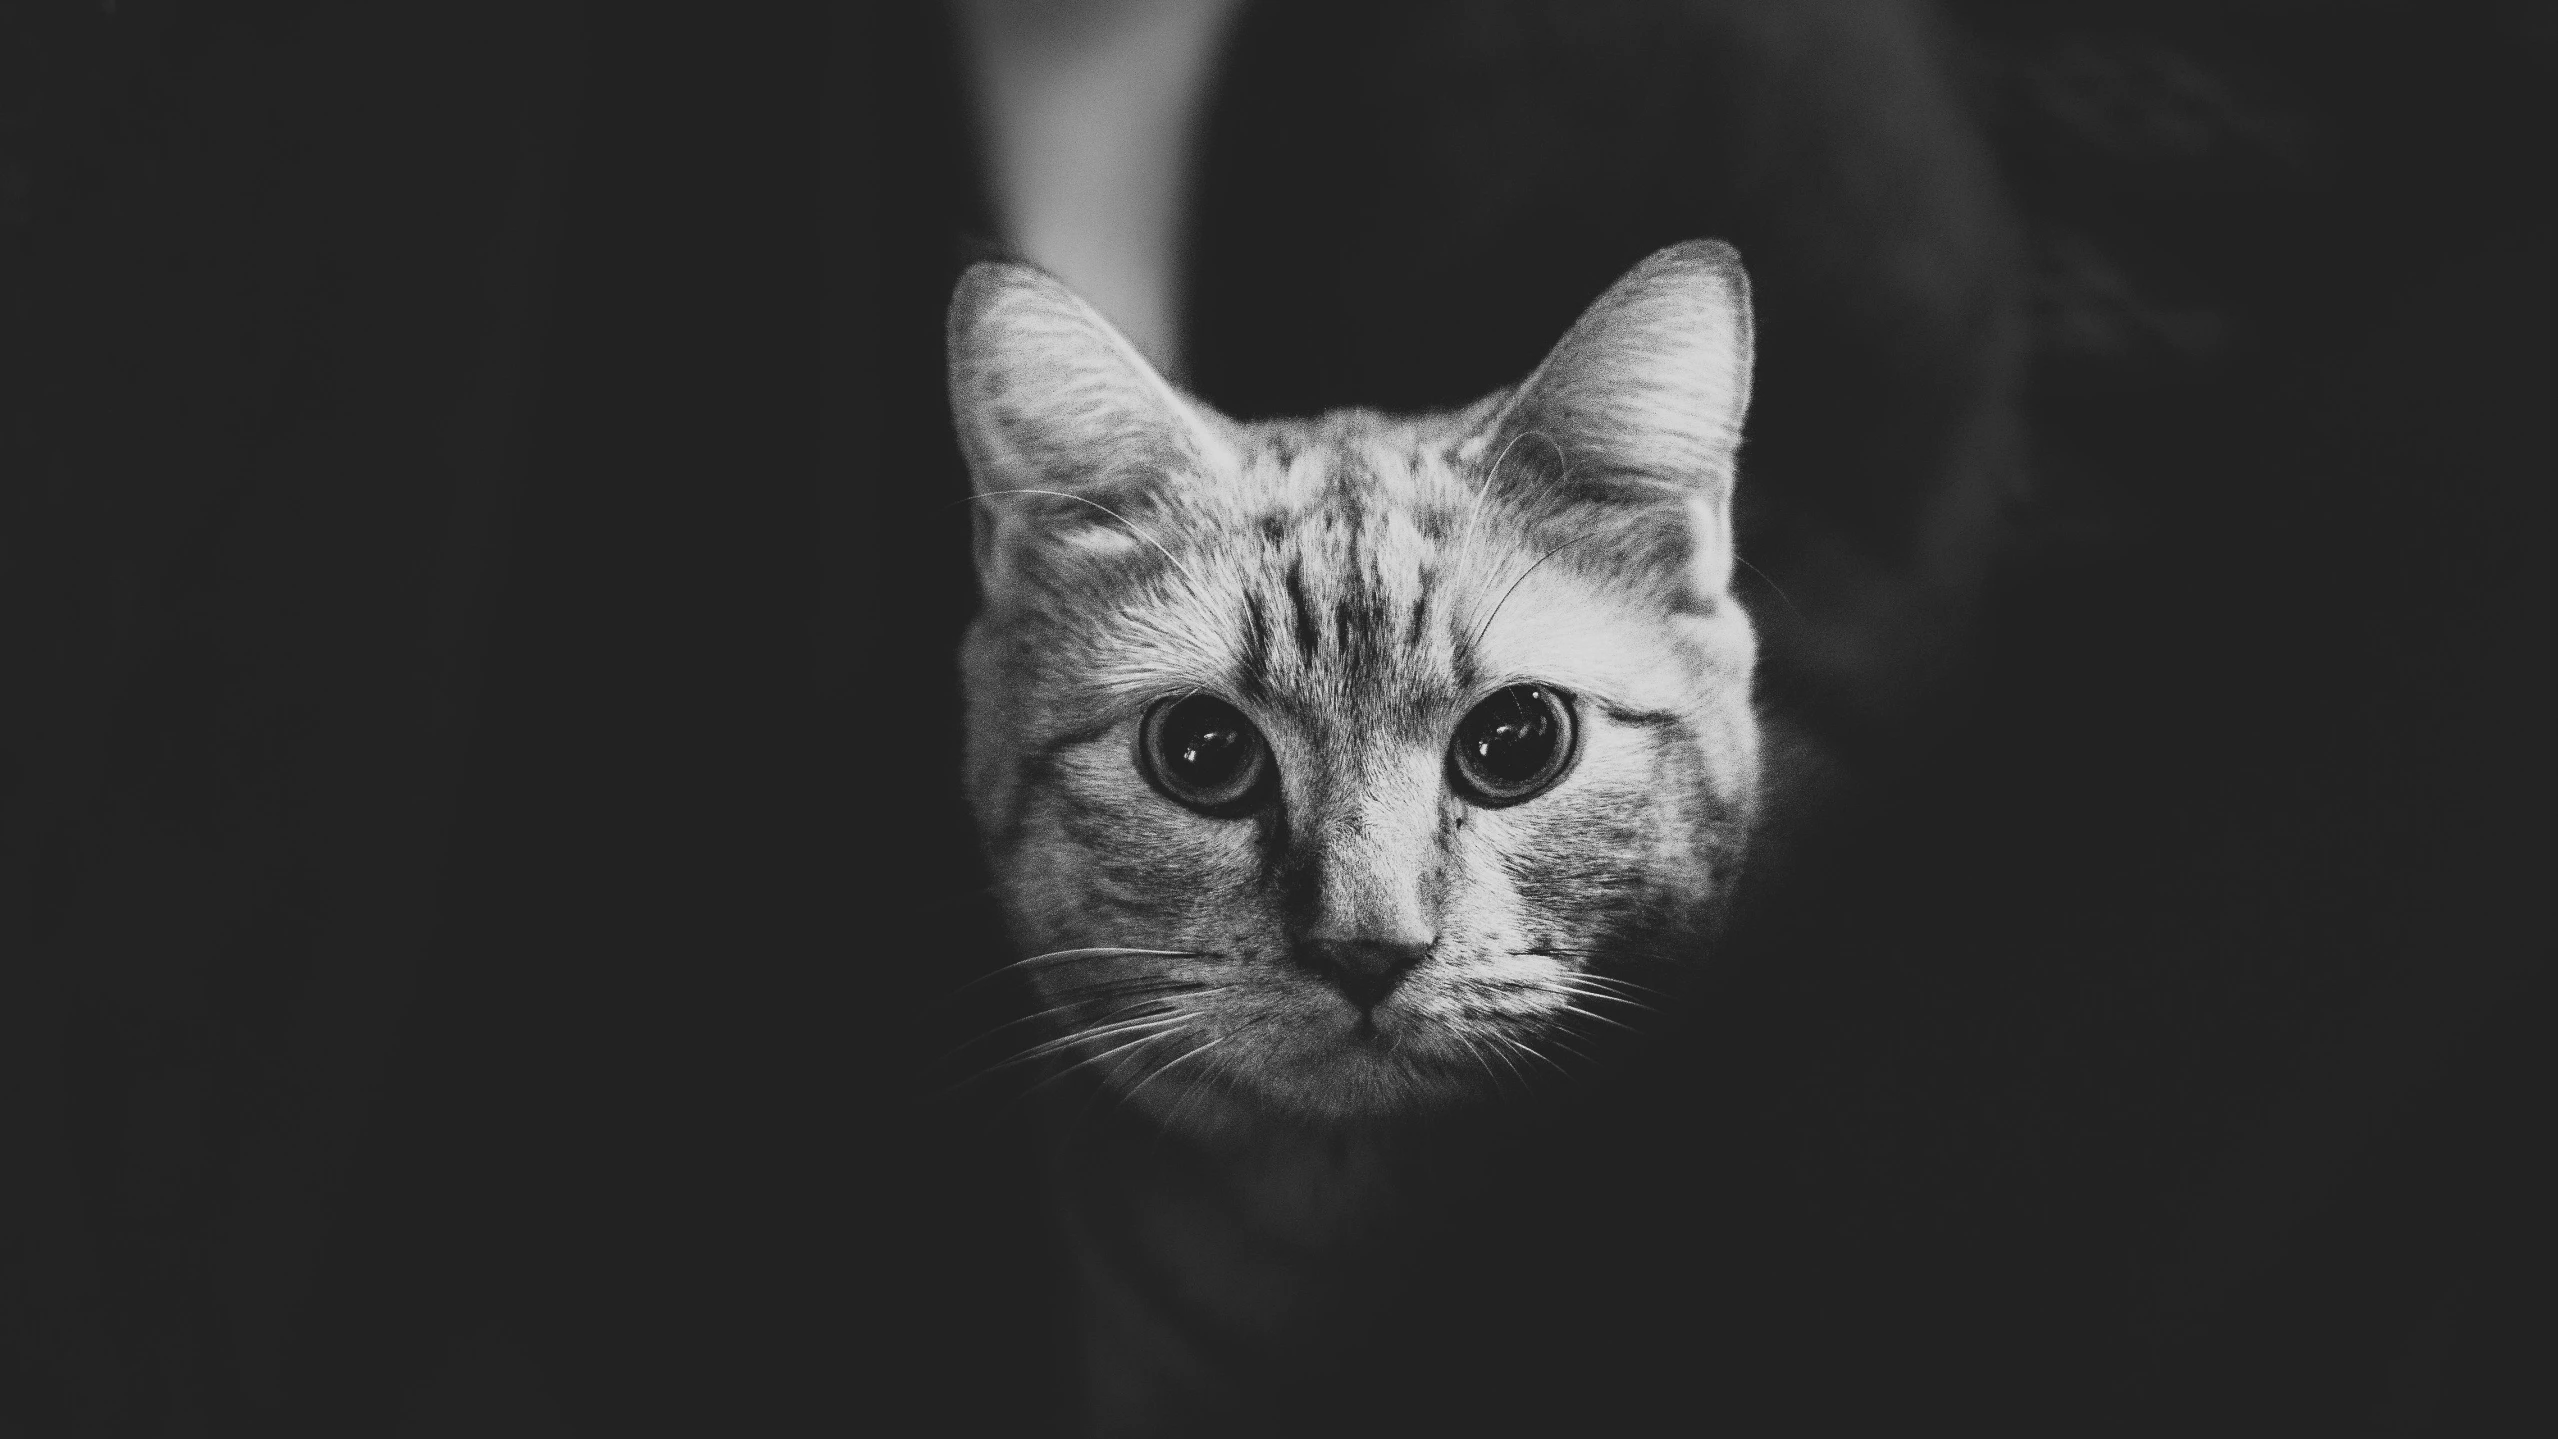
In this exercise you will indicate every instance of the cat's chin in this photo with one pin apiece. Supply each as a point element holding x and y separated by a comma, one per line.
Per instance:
<point>1357,1078</point>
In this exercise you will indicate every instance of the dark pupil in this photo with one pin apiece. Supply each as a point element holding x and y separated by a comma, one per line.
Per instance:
<point>1206,743</point>
<point>1514,735</point>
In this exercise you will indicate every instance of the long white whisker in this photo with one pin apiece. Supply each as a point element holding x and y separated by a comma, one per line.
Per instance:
<point>1097,951</point>
<point>1090,1033</point>
<point>1628,992</point>
<point>1572,1008</point>
<point>1173,1026</point>
<point>1168,1066</point>
<point>1608,996</point>
<point>1059,1011</point>
<point>1188,1094</point>
<point>1184,1105</point>
<point>1075,1127</point>
<point>1060,956</point>
<point>1594,977</point>
<point>1148,1028</point>
<point>1576,1051</point>
<point>1487,1065</point>
<point>1531,1052</point>
<point>1138,993</point>
<point>1605,985</point>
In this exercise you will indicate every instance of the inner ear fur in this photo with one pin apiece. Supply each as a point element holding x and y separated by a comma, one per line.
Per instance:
<point>1047,394</point>
<point>1637,411</point>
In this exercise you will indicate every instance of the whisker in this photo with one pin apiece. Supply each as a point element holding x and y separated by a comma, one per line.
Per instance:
<point>1644,956</point>
<point>1182,1107</point>
<point>1611,981</point>
<point>1532,1052</point>
<point>1110,990</point>
<point>1144,994</point>
<point>1608,996</point>
<point>1573,984</point>
<point>1675,972</point>
<point>1522,1079</point>
<point>1571,1008</point>
<point>1206,1079</point>
<point>1603,996</point>
<point>1483,492</point>
<point>1148,1029</point>
<point>1174,1026</point>
<point>1189,1093</point>
<point>1521,580</point>
<point>1075,1126</point>
<point>1186,572</point>
<point>1576,1051</point>
<point>1091,1032</point>
<point>1130,1093</point>
<point>1770,583</point>
<point>1062,956</point>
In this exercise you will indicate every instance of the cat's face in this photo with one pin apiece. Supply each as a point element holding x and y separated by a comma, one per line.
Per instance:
<point>1340,768</point>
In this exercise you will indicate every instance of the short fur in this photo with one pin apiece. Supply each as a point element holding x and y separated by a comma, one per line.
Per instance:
<point>1354,584</point>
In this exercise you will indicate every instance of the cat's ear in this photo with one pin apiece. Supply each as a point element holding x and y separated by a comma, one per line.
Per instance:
<point>1058,413</point>
<point>1640,405</point>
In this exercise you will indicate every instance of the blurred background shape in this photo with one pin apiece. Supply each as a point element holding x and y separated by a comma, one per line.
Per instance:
<point>1088,118</point>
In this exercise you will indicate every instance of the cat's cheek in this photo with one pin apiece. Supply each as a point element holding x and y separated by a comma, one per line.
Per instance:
<point>1107,861</point>
<point>1480,909</point>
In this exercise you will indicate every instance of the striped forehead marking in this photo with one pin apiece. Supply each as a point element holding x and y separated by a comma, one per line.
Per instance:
<point>1342,604</point>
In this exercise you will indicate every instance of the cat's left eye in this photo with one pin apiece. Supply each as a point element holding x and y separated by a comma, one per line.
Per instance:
<point>1513,746</point>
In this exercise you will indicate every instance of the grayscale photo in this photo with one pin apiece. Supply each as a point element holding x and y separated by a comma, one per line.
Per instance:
<point>1235,718</point>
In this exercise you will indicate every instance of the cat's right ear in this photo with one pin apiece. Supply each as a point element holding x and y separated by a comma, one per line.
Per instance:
<point>1062,420</point>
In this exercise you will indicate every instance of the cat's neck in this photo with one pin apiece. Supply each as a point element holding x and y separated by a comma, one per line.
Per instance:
<point>1212,1267</point>
<point>1311,1189</point>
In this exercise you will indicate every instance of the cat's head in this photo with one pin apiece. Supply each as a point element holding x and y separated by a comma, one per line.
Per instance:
<point>1340,769</point>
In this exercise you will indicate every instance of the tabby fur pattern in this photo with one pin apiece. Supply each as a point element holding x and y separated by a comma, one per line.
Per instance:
<point>1354,584</point>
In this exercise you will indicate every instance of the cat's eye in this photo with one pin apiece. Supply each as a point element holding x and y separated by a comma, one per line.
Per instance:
<point>1513,746</point>
<point>1201,752</point>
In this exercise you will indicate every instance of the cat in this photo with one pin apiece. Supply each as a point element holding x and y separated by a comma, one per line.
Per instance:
<point>1338,774</point>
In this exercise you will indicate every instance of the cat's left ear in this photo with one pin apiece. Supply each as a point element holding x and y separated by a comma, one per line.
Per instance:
<point>1638,409</point>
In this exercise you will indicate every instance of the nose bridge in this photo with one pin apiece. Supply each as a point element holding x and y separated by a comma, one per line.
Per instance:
<point>1372,860</point>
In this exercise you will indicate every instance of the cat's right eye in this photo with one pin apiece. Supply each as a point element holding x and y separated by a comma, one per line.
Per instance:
<point>1201,752</point>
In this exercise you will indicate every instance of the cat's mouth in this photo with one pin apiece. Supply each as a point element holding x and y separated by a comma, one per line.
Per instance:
<point>1327,1059</point>
<point>1200,1039</point>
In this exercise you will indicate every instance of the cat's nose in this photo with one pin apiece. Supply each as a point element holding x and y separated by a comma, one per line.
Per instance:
<point>1364,970</point>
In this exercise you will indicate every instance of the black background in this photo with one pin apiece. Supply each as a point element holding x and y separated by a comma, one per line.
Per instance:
<point>483,560</point>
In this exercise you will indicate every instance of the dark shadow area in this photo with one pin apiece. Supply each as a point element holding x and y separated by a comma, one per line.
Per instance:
<point>428,860</point>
